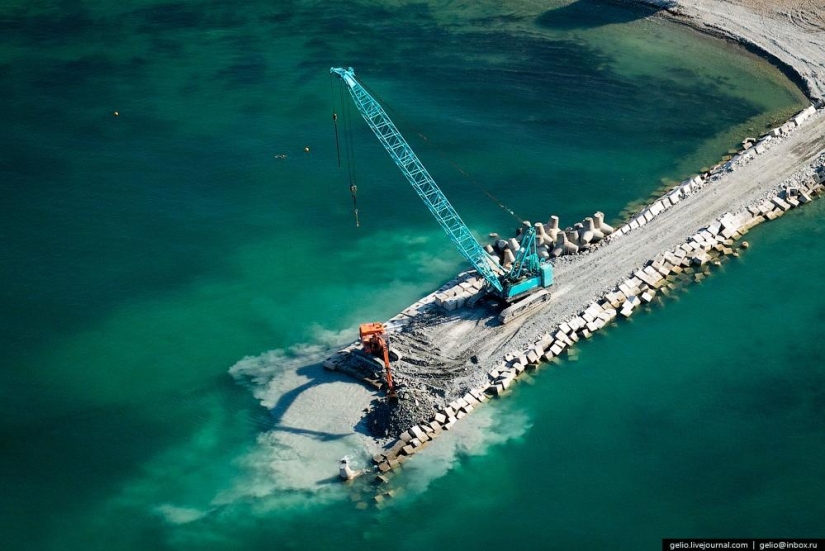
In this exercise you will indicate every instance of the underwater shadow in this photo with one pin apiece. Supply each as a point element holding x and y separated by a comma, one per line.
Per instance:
<point>588,14</point>
<point>317,375</point>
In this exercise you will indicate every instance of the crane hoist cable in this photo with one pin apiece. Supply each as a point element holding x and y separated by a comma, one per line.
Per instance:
<point>348,148</point>
<point>335,119</point>
<point>456,166</point>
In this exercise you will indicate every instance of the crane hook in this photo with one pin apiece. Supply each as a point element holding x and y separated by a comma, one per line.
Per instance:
<point>354,190</point>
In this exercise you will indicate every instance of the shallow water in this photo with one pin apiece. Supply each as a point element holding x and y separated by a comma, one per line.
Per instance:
<point>148,253</point>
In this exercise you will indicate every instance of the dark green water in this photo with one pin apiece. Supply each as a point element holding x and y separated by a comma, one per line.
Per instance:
<point>145,254</point>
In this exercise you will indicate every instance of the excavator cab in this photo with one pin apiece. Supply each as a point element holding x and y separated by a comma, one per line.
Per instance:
<point>374,342</point>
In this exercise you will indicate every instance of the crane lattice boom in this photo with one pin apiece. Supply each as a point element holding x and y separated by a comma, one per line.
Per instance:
<point>420,179</point>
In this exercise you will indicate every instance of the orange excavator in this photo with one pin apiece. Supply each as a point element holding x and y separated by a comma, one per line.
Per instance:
<point>375,343</point>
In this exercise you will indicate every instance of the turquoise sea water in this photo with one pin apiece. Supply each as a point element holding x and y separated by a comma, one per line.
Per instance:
<point>145,254</point>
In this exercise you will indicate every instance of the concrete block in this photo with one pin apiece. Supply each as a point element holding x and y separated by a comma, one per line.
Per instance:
<point>648,215</point>
<point>653,274</point>
<point>765,207</point>
<point>661,268</point>
<point>545,341</point>
<point>728,232</point>
<point>565,340</point>
<point>781,204</point>
<point>707,236</point>
<point>644,277</point>
<point>594,309</point>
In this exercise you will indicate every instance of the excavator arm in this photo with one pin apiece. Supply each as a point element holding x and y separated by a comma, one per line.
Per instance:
<point>374,341</point>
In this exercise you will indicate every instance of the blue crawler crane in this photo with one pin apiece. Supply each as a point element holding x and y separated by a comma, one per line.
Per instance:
<point>527,274</point>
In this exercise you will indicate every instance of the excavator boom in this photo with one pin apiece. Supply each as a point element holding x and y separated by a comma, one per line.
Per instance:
<point>374,340</point>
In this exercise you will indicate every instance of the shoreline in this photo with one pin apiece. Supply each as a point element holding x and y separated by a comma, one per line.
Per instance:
<point>791,42</point>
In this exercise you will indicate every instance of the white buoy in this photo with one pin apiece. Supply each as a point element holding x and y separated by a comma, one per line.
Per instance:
<point>344,470</point>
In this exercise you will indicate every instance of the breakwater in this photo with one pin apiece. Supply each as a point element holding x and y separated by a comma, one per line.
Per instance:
<point>691,261</point>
